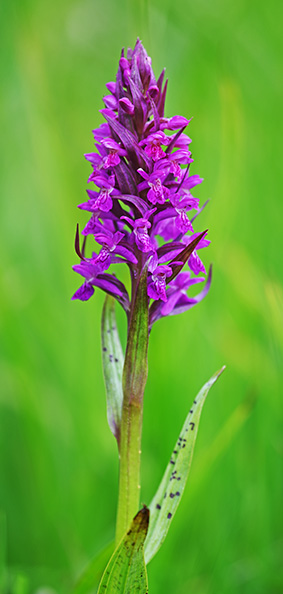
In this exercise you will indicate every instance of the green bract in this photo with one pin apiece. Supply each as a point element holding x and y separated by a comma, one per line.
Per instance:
<point>126,571</point>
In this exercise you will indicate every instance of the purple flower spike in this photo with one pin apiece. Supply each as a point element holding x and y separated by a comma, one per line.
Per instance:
<point>141,208</point>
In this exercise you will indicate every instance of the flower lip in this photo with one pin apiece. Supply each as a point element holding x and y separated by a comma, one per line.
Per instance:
<point>157,286</point>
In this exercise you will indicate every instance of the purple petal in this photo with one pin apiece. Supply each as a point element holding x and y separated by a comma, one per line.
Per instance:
<point>138,202</point>
<point>171,302</point>
<point>92,226</point>
<point>195,263</point>
<point>153,92</point>
<point>177,122</point>
<point>111,86</point>
<point>84,292</point>
<point>184,304</point>
<point>101,132</point>
<point>110,101</point>
<point>126,253</point>
<point>191,182</point>
<point>127,105</point>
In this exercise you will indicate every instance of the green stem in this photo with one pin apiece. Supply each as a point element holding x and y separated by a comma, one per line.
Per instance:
<point>129,480</point>
<point>134,380</point>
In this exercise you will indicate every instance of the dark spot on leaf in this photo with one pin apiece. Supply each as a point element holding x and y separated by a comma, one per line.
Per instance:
<point>172,495</point>
<point>175,452</point>
<point>192,426</point>
<point>191,411</point>
<point>158,506</point>
<point>116,360</point>
<point>178,493</point>
<point>169,516</point>
<point>104,349</point>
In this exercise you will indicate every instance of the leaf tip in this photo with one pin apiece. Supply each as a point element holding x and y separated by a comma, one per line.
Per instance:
<point>143,517</point>
<point>218,373</point>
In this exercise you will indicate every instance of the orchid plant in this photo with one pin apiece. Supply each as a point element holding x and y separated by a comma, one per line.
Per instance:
<point>142,214</point>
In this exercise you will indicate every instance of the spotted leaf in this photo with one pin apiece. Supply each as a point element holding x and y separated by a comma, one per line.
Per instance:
<point>113,361</point>
<point>171,488</point>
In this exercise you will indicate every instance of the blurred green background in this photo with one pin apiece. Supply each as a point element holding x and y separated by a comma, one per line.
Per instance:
<point>58,460</point>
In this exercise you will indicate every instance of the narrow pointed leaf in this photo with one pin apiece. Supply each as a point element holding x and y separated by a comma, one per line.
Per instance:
<point>162,100</point>
<point>171,488</point>
<point>113,361</point>
<point>125,178</point>
<point>184,256</point>
<point>126,571</point>
<point>78,250</point>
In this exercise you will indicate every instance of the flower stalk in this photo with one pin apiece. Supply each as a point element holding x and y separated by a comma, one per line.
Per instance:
<point>134,381</point>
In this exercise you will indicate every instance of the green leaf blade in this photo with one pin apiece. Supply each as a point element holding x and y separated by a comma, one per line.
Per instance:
<point>169,493</point>
<point>126,571</point>
<point>113,362</point>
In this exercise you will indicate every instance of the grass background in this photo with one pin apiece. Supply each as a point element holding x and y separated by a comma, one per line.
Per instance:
<point>58,461</point>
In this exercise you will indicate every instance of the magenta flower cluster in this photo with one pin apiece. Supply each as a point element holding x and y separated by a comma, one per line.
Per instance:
<point>142,209</point>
